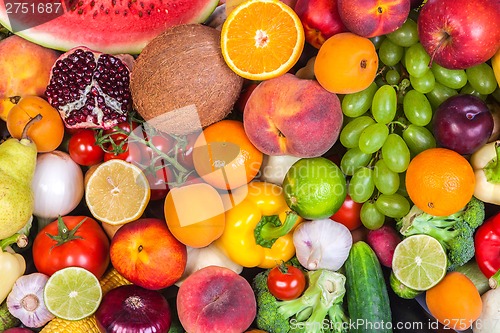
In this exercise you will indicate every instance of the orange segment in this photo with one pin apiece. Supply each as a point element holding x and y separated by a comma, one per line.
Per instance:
<point>117,192</point>
<point>262,39</point>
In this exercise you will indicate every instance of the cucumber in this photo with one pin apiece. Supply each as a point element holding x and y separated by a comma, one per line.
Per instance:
<point>7,320</point>
<point>366,292</point>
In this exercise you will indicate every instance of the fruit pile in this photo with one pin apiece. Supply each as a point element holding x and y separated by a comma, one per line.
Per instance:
<point>248,166</point>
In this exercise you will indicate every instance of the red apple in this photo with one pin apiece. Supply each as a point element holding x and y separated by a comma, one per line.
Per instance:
<point>371,18</point>
<point>459,34</point>
<point>320,19</point>
<point>147,254</point>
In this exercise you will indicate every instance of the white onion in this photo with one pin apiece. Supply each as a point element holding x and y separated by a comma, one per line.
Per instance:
<point>322,244</point>
<point>57,185</point>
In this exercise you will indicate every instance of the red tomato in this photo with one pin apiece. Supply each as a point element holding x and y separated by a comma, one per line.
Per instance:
<point>348,214</point>
<point>158,182</point>
<point>132,153</point>
<point>164,143</point>
<point>118,137</point>
<point>83,149</point>
<point>55,247</point>
<point>185,150</point>
<point>286,282</point>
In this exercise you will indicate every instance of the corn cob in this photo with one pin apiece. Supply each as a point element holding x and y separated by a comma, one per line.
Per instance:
<point>109,281</point>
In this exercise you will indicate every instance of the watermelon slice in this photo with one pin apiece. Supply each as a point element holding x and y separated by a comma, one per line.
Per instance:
<point>108,26</point>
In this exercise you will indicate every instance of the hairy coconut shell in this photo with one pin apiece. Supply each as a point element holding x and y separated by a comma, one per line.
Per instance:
<point>180,82</point>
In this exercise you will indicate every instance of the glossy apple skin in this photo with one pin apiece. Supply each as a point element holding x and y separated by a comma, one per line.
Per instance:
<point>147,254</point>
<point>462,123</point>
<point>459,34</point>
<point>371,18</point>
<point>320,19</point>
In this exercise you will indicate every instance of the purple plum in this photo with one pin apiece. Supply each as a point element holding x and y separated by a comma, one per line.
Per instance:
<point>462,123</point>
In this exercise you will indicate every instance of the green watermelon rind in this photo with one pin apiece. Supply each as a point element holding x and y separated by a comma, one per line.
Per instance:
<point>131,42</point>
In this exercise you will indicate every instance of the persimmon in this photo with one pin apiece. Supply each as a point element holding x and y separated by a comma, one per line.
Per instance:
<point>346,63</point>
<point>47,132</point>
<point>455,301</point>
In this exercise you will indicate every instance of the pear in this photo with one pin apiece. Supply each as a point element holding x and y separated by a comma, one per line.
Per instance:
<point>17,168</point>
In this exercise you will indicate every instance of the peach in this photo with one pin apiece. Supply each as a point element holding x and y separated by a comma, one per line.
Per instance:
<point>215,299</point>
<point>370,18</point>
<point>147,254</point>
<point>292,116</point>
<point>24,70</point>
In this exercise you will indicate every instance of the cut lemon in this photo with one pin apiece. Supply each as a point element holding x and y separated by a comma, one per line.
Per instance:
<point>419,262</point>
<point>72,293</point>
<point>117,192</point>
<point>262,39</point>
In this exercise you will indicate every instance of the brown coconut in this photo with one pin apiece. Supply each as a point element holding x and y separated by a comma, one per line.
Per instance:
<point>180,82</point>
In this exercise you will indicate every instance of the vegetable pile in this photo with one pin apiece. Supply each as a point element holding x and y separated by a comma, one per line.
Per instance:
<point>219,176</point>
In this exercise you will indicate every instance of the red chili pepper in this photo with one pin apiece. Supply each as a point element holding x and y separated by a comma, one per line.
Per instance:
<point>487,246</point>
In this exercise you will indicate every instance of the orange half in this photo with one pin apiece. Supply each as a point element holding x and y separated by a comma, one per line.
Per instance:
<point>262,39</point>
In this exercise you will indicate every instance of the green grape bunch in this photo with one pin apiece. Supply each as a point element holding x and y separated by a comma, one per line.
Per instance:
<point>389,122</point>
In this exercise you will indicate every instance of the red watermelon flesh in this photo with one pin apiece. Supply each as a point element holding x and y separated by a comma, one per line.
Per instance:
<point>108,26</point>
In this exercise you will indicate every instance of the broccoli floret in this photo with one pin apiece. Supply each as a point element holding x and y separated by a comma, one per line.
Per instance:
<point>318,309</point>
<point>455,232</point>
<point>474,213</point>
<point>460,249</point>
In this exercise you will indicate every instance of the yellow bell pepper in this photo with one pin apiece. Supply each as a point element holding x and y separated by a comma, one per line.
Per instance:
<point>259,226</point>
<point>12,265</point>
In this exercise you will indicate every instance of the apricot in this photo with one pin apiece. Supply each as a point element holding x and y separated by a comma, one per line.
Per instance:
<point>24,70</point>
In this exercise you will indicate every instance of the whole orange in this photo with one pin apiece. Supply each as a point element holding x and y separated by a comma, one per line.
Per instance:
<point>224,157</point>
<point>47,132</point>
<point>346,63</point>
<point>440,181</point>
<point>195,214</point>
<point>454,301</point>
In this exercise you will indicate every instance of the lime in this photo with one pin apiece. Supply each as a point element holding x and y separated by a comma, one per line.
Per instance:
<point>419,262</point>
<point>72,293</point>
<point>314,188</point>
<point>402,290</point>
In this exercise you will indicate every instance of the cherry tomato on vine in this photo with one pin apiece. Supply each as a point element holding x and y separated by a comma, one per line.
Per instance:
<point>118,137</point>
<point>83,149</point>
<point>185,150</point>
<point>158,182</point>
<point>55,247</point>
<point>348,214</point>
<point>165,144</point>
<point>286,282</point>
<point>132,153</point>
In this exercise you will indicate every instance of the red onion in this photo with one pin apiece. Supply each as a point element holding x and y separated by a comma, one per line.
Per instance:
<point>133,309</point>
